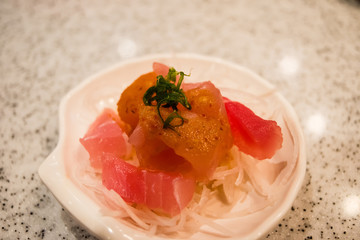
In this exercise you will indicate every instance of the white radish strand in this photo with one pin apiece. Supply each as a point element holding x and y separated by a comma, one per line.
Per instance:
<point>190,220</point>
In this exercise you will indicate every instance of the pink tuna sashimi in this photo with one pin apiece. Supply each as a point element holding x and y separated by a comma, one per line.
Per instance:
<point>160,69</point>
<point>253,135</point>
<point>104,136</point>
<point>165,192</point>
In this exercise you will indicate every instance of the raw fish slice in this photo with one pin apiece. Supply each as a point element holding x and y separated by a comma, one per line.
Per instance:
<point>105,135</point>
<point>253,135</point>
<point>160,69</point>
<point>124,178</point>
<point>168,193</point>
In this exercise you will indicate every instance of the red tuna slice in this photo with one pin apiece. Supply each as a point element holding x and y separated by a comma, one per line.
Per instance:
<point>165,192</point>
<point>104,136</point>
<point>160,69</point>
<point>253,135</point>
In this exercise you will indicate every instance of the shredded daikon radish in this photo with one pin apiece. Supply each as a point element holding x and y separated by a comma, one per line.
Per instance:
<point>222,174</point>
<point>242,173</point>
<point>191,218</point>
<point>284,176</point>
<point>210,222</point>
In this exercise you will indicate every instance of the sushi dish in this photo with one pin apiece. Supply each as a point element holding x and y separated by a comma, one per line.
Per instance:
<point>176,148</point>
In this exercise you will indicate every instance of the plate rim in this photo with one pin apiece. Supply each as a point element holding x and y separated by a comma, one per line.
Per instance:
<point>265,228</point>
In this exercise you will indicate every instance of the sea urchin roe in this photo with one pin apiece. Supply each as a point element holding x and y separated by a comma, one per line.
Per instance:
<point>199,135</point>
<point>154,154</point>
<point>205,99</point>
<point>131,99</point>
<point>203,140</point>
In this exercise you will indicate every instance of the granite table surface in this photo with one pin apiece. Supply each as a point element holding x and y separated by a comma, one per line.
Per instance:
<point>310,50</point>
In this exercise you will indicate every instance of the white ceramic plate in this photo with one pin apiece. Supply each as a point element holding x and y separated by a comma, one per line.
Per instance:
<point>81,106</point>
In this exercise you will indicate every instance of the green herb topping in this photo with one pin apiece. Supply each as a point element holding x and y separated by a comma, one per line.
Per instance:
<point>166,94</point>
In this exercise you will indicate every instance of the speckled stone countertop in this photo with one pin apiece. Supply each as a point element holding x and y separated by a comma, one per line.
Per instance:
<point>310,50</point>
